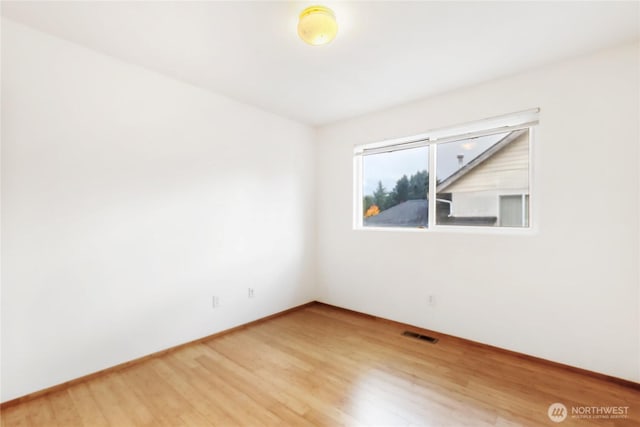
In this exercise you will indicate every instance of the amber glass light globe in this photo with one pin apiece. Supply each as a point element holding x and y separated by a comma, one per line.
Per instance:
<point>317,25</point>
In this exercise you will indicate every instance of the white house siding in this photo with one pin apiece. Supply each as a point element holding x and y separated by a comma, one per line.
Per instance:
<point>481,203</point>
<point>506,172</point>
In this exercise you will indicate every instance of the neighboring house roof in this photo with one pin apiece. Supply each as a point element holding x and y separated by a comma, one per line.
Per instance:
<point>415,213</point>
<point>412,213</point>
<point>480,159</point>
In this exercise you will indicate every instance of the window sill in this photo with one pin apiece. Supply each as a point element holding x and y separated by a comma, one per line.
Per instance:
<point>498,231</point>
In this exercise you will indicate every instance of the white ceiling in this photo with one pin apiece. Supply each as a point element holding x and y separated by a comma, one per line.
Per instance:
<point>386,53</point>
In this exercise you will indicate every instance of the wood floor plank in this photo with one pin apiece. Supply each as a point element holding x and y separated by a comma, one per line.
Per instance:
<point>253,386</point>
<point>201,399</point>
<point>107,402</point>
<point>88,409</point>
<point>278,397</point>
<point>239,405</point>
<point>64,409</point>
<point>141,414</point>
<point>15,416</point>
<point>314,388</point>
<point>325,366</point>
<point>41,413</point>
<point>157,393</point>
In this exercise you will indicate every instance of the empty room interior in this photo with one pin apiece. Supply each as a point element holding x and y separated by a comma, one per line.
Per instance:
<point>367,213</point>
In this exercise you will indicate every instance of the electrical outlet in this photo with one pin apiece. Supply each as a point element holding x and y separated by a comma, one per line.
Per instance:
<point>215,302</point>
<point>251,293</point>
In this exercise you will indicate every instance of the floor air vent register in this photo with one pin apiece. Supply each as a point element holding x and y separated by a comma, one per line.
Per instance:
<point>415,335</point>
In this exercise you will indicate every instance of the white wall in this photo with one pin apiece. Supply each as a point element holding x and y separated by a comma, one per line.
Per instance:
<point>128,201</point>
<point>568,293</point>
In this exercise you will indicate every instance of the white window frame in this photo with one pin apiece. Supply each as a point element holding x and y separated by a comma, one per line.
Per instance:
<point>527,119</point>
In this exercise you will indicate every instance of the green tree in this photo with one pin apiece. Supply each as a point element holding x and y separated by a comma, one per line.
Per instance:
<point>380,196</point>
<point>401,190</point>
<point>418,185</point>
<point>392,199</point>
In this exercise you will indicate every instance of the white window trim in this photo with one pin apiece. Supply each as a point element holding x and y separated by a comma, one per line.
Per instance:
<point>527,119</point>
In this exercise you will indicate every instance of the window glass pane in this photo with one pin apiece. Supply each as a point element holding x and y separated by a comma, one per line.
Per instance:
<point>484,181</point>
<point>395,187</point>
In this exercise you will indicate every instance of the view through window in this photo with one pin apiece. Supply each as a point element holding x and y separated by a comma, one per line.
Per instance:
<point>395,188</point>
<point>481,180</point>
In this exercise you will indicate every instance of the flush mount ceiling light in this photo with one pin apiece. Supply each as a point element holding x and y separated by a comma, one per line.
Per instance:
<point>317,25</point>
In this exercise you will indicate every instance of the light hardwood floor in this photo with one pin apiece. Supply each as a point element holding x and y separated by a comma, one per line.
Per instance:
<point>324,366</point>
